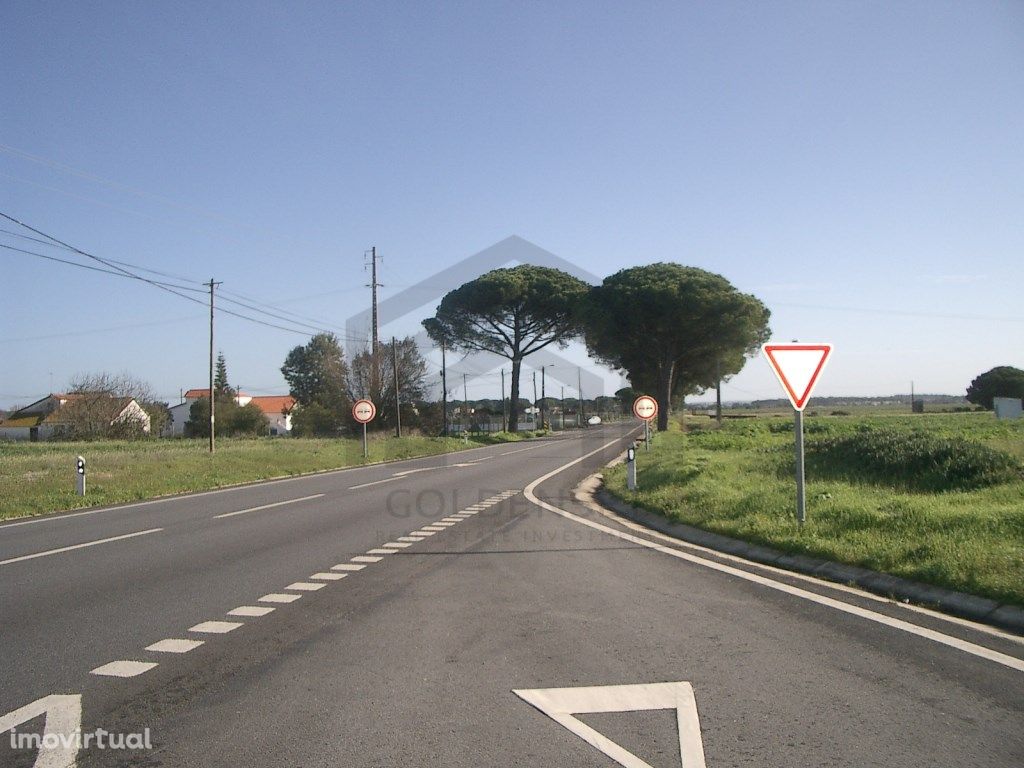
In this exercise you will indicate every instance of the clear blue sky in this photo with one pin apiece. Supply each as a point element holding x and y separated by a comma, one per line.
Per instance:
<point>858,166</point>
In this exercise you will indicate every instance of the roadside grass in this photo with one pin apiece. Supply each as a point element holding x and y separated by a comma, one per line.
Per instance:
<point>738,481</point>
<point>36,478</point>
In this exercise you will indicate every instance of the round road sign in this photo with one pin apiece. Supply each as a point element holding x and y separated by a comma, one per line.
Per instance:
<point>645,407</point>
<point>363,411</point>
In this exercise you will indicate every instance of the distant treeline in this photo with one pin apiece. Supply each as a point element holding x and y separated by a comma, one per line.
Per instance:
<point>836,401</point>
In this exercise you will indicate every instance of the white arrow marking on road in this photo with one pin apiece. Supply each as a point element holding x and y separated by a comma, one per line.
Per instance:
<point>560,704</point>
<point>63,718</point>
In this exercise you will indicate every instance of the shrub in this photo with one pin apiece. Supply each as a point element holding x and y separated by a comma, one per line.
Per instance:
<point>915,461</point>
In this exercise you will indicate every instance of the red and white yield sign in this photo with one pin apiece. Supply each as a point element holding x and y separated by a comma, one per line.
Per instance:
<point>797,366</point>
<point>363,411</point>
<point>645,407</point>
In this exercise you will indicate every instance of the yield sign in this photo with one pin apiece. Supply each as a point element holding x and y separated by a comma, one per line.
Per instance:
<point>560,704</point>
<point>797,366</point>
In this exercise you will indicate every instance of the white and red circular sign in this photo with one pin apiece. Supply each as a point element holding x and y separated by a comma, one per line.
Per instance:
<point>645,407</point>
<point>363,411</point>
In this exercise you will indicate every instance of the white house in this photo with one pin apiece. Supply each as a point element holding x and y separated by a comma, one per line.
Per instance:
<point>277,409</point>
<point>49,417</point>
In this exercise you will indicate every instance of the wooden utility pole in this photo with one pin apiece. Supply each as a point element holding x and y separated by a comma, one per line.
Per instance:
<point>212,285</point>
<point>398,399</point>
<point>374,327</point>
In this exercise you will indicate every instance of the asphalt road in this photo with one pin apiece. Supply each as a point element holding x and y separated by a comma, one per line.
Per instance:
<point>507,584</point>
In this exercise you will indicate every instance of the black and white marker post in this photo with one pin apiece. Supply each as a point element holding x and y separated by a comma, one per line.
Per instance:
<point>631,467</point>
<point>797,367</point>
<point>80,476</point>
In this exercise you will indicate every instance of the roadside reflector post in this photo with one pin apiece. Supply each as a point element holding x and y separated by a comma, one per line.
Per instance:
<point>80,476</point>
<point>798,366</point>
<point>631,467</point>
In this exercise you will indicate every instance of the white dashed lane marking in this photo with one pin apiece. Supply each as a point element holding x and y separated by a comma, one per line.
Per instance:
<point>216,627</point>
<point>124,668</point>
<point>279,598</point>
<point>250,610</point>
<point>366,559</point>
<point>410,539</point>
<point>328,576</point>
<point>347,567</point>
<point>380,551</point>
<point>174,645</point>
<point>77,546</point>
<point>305,586</point>
<point>268,506</point>
<point>399,544</point>
<point>425,532</point>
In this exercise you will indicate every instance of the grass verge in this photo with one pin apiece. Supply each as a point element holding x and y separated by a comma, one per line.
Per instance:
<point>738,481</point>
<point>36,478</point>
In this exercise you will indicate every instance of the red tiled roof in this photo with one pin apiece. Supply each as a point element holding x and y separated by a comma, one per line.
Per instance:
<point>274,403</point>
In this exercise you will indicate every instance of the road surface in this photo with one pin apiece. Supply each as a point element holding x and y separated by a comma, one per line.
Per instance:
<point>467,610</point>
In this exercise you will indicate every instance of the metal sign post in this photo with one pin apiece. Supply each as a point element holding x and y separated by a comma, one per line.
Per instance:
<point>801,500</point>
<point>363,411</point>
<point>80,476</point>
<point>797,367</point>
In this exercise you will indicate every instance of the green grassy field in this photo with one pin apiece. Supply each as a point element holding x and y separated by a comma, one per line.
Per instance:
<point>937,498</point>
<point>36,478</point>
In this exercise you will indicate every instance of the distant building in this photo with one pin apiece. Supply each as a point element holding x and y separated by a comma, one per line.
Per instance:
<point>277,408</point>
<point>58,414</point>
<point>1007,407</point>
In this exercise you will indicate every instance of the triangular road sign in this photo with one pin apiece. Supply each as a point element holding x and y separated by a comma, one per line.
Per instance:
<point>560,704</point>
<point>797,366</point>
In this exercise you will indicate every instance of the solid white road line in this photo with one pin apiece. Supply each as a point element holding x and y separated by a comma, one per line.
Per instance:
<point>366,559</point>
<point>78,546</point>
<point>124,668</point>
<point>305,586</point>
<point>854,610</point>
<point>347,567</point>
<point>175,645</point>
<point>277,597</point>
<point>216,627</point>
<point>268,506</point>
<point>328,576</point>
<point>250,610</point>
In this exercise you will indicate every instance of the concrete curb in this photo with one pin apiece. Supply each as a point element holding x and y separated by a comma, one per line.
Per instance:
<point>980,609</point>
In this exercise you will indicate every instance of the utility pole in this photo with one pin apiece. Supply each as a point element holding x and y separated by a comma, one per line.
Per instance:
<point>375,326</point>
<point>212,285</point>
<point>534,399</point>
<point>504,413</point>
<point>718,391</point>
<point>543,398</point>
<point>563,409</point>
<point>465,403</point>
<point>444,393</point>
<point>398,399</point>
<point>579,388</point>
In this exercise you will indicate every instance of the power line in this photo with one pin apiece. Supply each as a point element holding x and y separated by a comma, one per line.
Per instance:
<point>98,269</point>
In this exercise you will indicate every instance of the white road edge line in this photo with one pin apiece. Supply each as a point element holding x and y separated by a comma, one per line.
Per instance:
<point>78,546</point>
<point>580,494</point>
<point>904,626</point>
<point>268,506</point>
